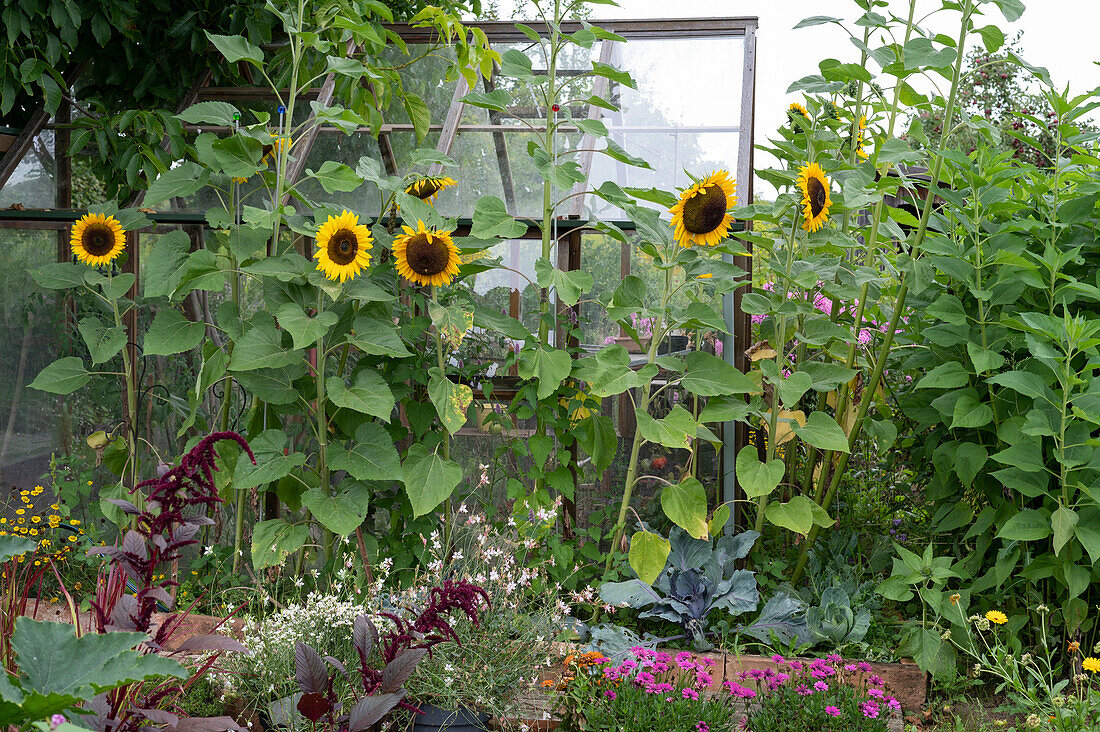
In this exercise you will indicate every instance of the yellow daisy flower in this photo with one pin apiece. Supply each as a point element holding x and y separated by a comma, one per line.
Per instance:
<point>996,617</point>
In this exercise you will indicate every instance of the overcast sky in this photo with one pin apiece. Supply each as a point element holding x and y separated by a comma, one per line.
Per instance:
<point>1058,34</point>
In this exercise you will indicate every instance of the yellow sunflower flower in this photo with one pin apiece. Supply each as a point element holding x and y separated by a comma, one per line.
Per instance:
<point>343,247</point>
<point>429,186</point>
<point>97,239</point>
<point>815,196</point>
<point>1091,665</point>
<point>860,137</point>
<point>701,216</point>
<point>996,617</point>
<point>425,256</point>
<point>797,108</point>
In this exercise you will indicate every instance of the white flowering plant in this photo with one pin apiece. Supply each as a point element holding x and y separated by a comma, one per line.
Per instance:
<point>323,621</point>
<point>496,660</point>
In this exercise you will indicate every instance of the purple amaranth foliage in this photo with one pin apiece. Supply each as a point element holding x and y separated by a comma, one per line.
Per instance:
<point>161,530</point>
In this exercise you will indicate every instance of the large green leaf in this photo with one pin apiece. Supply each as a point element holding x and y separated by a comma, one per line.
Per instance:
<point>822,432</point>
<point>1063,521</point>
<point>647,555</point>
<point>13,546</point>
<point>165,264</point>
<point>59,275</point>
<point>950,375</point>
<point>304,330</point>
<point>491,217</point>
<point>549,366</point>
<point>53,660</point>
<point>453,322</point>
<point>685,504</point>
<point>368,394</point>
<point>103,343</point>
<point>63,376</point>
<point>375,338</point>
<point>676,430</point>
<point>569,286</point>
<point>1027,525</point>
<point>273,461</point>
<point>334,176</point>
<point>261,347</point>
<point>799,515</point>
<point>172,333</point>
<point>757,478</point>
<point>236,48</point>
<point>274,386</point>
<point>343,511</point>
<point>274,540</point>
<point>182,180</point>
<point>969,412</point>
<point>451,400</point>
<point>608,372</point>
<point>429,479</point>
<point>371,456</point>
<point>708,375</point>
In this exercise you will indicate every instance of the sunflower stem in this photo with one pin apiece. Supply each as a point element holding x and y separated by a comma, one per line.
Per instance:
<point>131,403</point>
<point>903,288</point>
<point>447,508</point>
<point>322,424</point>
<point>642,406</point>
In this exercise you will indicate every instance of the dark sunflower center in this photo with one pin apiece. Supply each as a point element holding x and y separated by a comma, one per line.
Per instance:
<point>98,239</point>
<point>343,246</point>
<point>816,193</point>
<point>426,188</point>
<point>705,211</point>
<point>427,255</point>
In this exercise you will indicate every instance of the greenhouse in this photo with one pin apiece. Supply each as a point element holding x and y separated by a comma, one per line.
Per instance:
<point>403,365</point>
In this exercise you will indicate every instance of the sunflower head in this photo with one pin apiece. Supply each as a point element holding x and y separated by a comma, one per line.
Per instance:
<point>815,196</point>
<point>97,239</point>
<point>343,247</point>
<point>860,138</point>
<point>271,151</point>
<point>425,256</point>
<point>797,109</point>
<point>701,216</point>
<point>429,186</point>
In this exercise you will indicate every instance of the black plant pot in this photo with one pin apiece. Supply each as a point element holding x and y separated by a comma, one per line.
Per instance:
<point>434,719</point>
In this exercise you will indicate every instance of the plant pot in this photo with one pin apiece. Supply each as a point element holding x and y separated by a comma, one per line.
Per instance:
<point>433,719</point>
<point>673,344</point>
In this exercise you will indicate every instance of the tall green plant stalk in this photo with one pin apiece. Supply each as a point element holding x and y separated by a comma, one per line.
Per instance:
<point>657,335</point>
<point>903,291</point>
<point>448,509</point>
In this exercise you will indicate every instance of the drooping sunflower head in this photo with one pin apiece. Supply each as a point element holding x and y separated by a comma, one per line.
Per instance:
<point>343,247</point>
<point>429,186</point>
<point>701,216</point>
<point>425,256</point>
<point>797,109</point>
<point>271,151</point>
<point>815,196</point>
<point>97,239</point>
<point>861,137</point>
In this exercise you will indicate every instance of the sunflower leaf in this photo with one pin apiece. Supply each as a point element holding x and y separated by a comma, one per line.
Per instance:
<point>429,479</point>
<point>368,394</point>
<point>236,48</point>
<point>59,276</point>
<point>451,400</point>
<point>171,333</point>
<point>103,342</point>
<point>492,220</point>
<point>63,376</point>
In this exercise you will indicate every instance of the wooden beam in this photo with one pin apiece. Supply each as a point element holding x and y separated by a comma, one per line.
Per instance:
<point>503,163</point>
<point>450,124</point>
<point>22,143</point>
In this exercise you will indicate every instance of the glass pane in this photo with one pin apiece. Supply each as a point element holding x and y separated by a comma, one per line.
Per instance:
<point>32,183</point>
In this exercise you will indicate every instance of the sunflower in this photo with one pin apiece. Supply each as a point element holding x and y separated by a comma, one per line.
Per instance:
<point>797,108</point>
<point>426,256</point>
<point>429,186</point>
<point>343,246</point>
<point>815,196</point>
<point>701,216</point>
<point>996,617</point>
<point>860,152</point>
<point>97,239</point>
<point>271,152</point>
